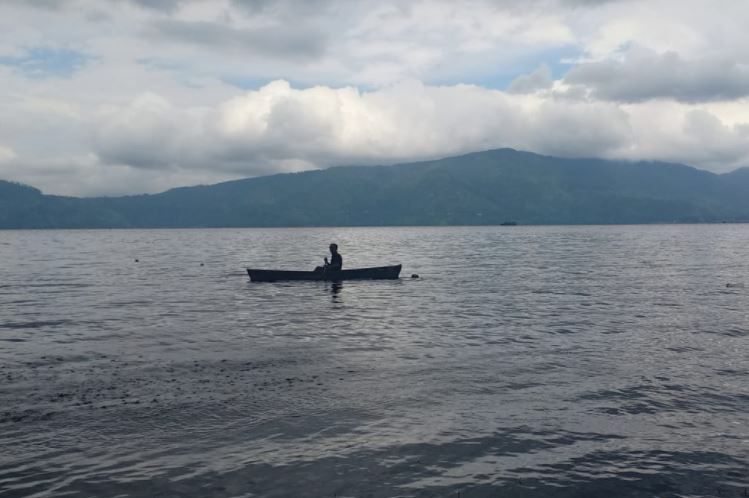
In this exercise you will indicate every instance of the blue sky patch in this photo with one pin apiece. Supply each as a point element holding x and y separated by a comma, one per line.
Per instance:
<point>501,75</point>
<point>41,62</point>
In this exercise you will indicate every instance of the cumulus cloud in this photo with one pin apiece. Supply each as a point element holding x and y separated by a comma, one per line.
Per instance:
<point>643,75</point>
<point>162,5</point>
<point>148,133</point>
<point>162,97</point>
<point>150,143</point>
<point>588,3</point>
<point>158,5</point>
<point>85,175</point>
<point>281,128</point>
<point>297,43</point>
<point>676,132</point>
<point>323,126</point>
<point>540,79</point>
<point>286,7</point>
<point>44,4</point>
<point>7,154</point>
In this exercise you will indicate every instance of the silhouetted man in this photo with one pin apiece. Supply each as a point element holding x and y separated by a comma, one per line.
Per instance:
<point>336,261</point>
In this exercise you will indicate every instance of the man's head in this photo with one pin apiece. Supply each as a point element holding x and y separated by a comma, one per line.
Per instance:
<point>333,248</point>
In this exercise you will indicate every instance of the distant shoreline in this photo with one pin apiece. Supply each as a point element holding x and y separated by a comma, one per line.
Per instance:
<point>488,188</point>
<point>321,227</point>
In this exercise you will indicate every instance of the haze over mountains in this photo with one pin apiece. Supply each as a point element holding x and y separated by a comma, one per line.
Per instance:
<point>489,187</point>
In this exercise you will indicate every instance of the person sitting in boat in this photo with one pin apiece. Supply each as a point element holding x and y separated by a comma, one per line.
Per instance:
<point>336,261</point>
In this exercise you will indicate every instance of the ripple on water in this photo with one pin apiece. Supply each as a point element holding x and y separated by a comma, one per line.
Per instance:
<point>544,361</point>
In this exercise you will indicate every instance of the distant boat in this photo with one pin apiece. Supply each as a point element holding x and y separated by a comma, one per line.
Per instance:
<point>508,224</point>
<point>376,273</point>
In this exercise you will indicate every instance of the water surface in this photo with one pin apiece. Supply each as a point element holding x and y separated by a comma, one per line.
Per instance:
<point>526,361</point>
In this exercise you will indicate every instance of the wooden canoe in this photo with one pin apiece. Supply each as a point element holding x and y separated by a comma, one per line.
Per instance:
<point>376,273</point>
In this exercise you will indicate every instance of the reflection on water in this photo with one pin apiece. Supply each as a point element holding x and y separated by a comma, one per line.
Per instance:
<point>546,361</point>
<point>335,291</point>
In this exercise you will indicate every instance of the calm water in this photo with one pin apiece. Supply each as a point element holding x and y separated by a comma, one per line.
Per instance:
<point>527,361</point>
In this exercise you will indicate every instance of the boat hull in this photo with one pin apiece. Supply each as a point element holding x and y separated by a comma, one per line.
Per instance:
<point>376,273</point>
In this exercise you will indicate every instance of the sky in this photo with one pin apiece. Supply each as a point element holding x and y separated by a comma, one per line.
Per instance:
<point>110,97</point>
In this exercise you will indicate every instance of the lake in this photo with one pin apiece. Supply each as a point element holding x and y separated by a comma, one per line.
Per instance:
<point>526,361</point>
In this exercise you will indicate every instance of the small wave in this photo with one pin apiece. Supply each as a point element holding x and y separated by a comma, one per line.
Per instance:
<point>736,332</point>
<point>34,324</point>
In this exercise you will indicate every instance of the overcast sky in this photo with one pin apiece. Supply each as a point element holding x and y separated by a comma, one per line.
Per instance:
<point>129,96</point>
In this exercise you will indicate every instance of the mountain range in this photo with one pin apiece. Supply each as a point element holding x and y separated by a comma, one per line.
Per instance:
<point>482,188</point>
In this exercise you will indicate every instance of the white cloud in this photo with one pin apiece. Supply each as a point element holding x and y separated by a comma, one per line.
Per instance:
<point>7,154</point>
<point>86,176</point>
<point>689,134</point>
<point>296,44</point>
<point>645,75</point>
<point>148,133</point>
<point>148,105</point>
<point>539,79</point>
<point>322,126</point>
